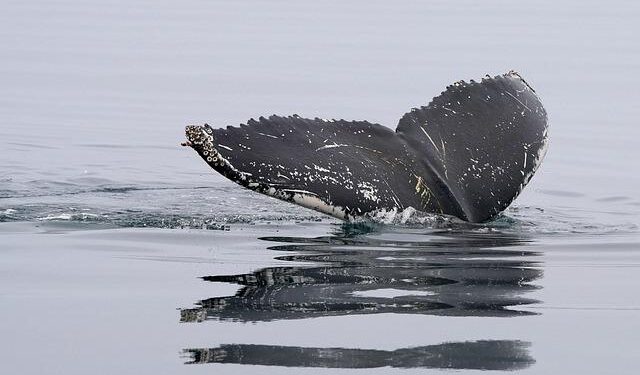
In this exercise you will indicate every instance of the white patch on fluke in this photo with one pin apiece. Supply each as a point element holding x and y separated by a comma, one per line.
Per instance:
<point>369,191</point>
<point>318,168</point>
<point>318,204</point>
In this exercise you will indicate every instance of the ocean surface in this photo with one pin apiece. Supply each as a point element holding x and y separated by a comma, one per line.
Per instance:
<point>122,252</point>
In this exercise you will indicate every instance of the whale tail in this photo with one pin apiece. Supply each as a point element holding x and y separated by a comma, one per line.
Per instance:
<point>468,153</point>
<point>484,140</point>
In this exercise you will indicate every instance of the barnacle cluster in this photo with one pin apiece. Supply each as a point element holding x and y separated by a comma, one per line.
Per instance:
<point>201,139</point>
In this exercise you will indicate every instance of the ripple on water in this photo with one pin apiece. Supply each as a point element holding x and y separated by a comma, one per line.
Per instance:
<point>100,201</point>
<point>366,269</point>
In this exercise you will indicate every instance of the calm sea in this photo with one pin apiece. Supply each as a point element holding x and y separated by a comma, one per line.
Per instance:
<point>122,252</point>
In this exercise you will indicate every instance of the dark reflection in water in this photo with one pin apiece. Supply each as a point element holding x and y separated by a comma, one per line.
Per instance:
<point>477,355</point>
<point>366,270</point>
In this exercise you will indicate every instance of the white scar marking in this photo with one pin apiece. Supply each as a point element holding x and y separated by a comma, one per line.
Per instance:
<point>300,191</point>
<point>450,110</point>
<point>431,140</point>
<point>525,160</point>
<point>225,147</point>
<point>268,135</point>
<point>518,100</point>
<point>331,146</point>
<point>395,196</point>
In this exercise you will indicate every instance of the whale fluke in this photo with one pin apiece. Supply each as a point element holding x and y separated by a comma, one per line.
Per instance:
<point>468,153</point>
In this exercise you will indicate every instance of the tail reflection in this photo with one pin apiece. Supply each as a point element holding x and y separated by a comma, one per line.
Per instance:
<point>360,271</point>
<point>477,355</point>
<point>461,274</point>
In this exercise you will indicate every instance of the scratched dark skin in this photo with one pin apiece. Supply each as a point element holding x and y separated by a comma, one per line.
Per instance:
<point>468,154</point>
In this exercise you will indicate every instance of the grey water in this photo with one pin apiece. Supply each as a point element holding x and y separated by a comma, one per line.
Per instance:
<point>122,252</point>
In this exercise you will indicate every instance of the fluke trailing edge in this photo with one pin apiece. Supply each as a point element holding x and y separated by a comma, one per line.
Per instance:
<point>468,153</point>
